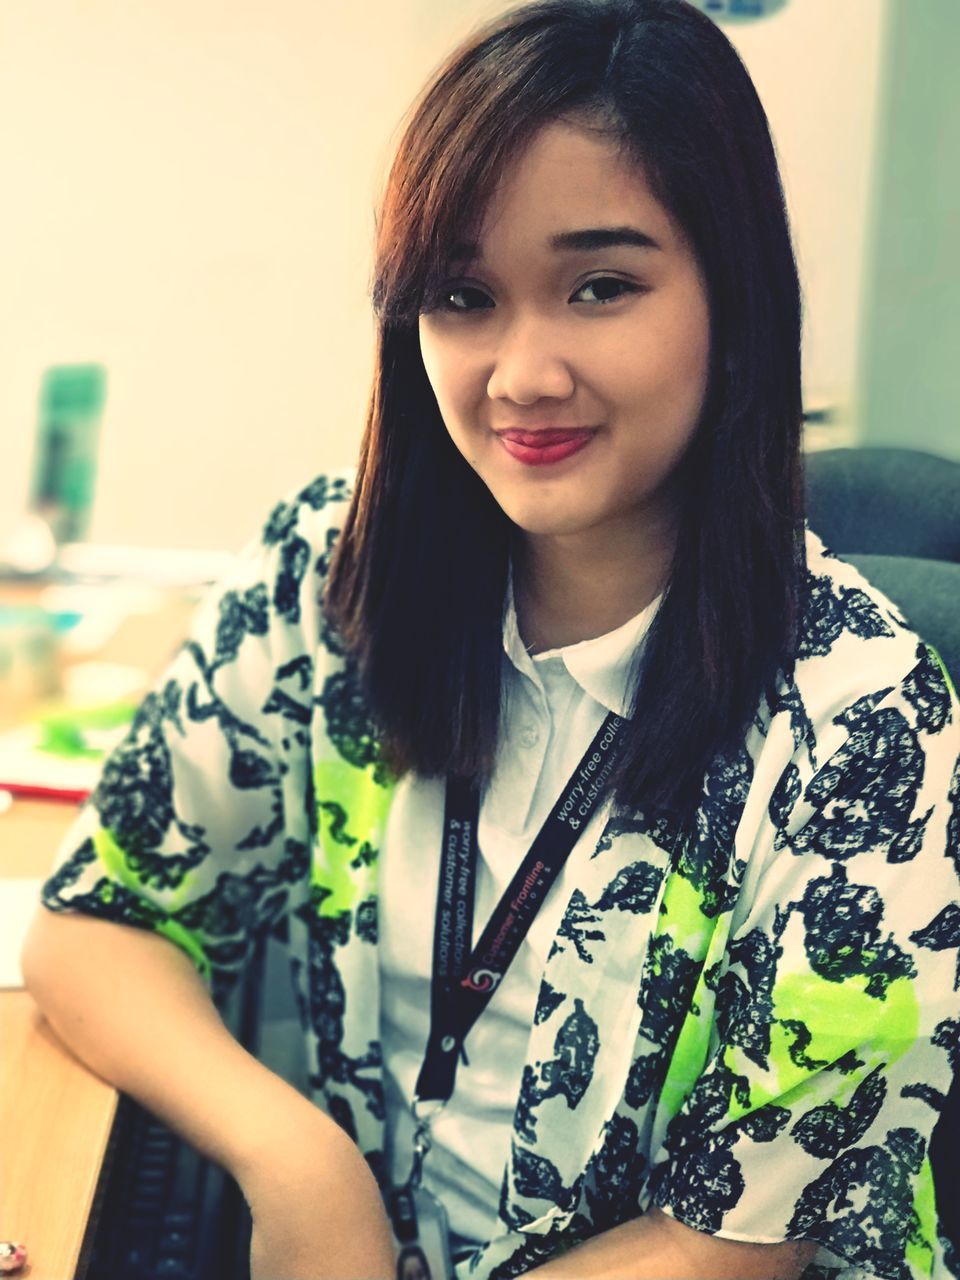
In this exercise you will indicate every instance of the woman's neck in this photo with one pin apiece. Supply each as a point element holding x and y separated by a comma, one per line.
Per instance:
<point>573,587</point>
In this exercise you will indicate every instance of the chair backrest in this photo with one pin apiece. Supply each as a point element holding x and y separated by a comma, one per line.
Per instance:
<point>888,502</point>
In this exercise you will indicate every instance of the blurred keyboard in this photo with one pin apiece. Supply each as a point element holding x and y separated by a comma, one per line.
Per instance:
<point>162,1211</point>
<point>165,1212</point>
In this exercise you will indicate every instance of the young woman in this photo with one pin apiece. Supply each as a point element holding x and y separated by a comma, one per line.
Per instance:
<point>607,817</point>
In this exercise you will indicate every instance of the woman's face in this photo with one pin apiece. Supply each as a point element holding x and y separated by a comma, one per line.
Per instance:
<point>580,308</point>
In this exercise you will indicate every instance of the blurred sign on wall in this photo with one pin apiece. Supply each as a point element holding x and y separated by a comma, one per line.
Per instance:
<point>739,10</point>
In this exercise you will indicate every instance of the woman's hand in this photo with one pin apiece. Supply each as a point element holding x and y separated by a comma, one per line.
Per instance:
<point>316,1209</point>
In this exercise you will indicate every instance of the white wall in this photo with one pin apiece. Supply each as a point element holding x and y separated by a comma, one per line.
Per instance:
<point>188,199</point>
<point>817,65</point>
<point>910,381</point>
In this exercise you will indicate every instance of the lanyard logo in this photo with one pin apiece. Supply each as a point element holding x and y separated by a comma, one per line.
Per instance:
<point>490,959</point>
<point>482,980</point>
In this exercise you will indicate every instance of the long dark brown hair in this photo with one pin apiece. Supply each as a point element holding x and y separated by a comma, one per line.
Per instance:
<point>419,575</point>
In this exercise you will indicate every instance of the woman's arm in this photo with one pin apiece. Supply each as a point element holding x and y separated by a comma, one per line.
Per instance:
<point>132,1007</point>
<point>657,1247</point>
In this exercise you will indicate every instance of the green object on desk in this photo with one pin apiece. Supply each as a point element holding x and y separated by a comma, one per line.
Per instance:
<point>84,733</point>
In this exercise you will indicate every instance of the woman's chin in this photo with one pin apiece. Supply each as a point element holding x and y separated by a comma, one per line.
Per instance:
<point>539,521</point>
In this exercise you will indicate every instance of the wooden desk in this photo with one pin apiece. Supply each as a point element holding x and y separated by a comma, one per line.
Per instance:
<point>55,1114</point>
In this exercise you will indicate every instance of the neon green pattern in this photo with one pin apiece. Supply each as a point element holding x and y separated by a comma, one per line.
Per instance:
<point>116,862</point>
<point>352,812</point>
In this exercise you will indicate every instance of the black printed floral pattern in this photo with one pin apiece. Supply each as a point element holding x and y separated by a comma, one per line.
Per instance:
<point>719,1025</point>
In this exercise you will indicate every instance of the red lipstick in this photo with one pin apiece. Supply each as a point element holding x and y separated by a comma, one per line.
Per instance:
<point>539,448</point>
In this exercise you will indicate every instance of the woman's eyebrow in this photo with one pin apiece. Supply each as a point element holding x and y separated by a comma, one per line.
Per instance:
<point>603,238</point>
<point>581,241</point>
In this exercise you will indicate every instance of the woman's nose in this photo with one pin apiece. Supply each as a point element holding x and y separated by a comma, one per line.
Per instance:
<point>529,365</point>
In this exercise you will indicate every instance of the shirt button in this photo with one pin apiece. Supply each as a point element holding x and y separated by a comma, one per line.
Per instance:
<point>529,735</point>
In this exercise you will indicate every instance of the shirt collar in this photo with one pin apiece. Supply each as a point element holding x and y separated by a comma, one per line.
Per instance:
<point>602,666</point>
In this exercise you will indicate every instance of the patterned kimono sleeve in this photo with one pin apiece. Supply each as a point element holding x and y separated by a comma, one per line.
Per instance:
<point>833,1008</point>
<point>199,827</point>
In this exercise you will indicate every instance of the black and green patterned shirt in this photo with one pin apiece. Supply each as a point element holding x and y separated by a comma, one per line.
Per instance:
<point>775,1067</point>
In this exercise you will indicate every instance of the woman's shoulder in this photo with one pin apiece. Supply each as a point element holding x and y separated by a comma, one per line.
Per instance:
<point>292,550</point>
<point>268,606</point>
<point>854,642</point>
<point>313,513</point>
<point>855,759</point>
<point>845,614</point>
<point>863,694</point>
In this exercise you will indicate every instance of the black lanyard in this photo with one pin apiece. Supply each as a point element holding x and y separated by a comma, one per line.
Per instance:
<point>462,984</point>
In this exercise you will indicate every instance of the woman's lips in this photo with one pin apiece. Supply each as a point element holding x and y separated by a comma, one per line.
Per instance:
<point>539,448</point>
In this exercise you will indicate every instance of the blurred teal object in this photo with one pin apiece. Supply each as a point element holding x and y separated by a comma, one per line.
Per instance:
<point>16,615</point>
<point>68,439</point>
<point>739,10</point>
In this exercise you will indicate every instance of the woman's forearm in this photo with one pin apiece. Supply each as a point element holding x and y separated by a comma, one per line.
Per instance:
<point>657,1247</point>
<point>132,1007</point>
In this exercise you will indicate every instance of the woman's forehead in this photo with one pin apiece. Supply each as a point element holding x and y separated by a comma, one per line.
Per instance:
<point>569,189</point>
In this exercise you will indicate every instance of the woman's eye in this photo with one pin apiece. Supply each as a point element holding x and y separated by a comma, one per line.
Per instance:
<point>604,289</point>
<point>465,297</point>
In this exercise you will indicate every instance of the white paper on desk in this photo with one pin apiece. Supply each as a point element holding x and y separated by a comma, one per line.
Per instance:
<point>18,902</point>
<point>24,764</point>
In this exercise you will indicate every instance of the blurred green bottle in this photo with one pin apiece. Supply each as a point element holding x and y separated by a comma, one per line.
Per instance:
<point>68,438</point>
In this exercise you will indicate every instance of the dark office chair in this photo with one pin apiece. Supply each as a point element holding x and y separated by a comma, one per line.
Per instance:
<point>895,514</point>
<point>886,502</point>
